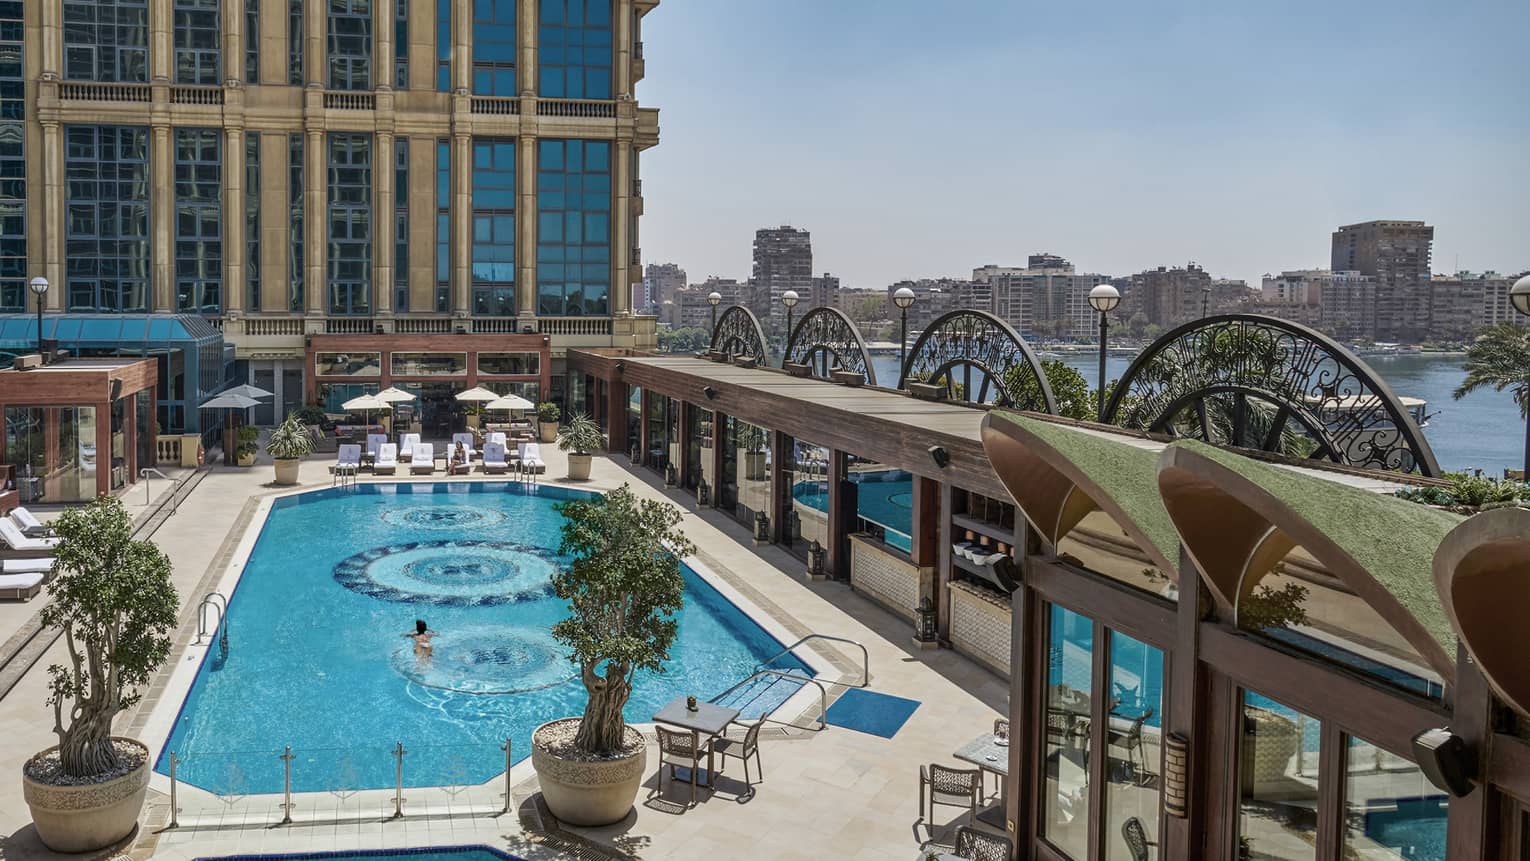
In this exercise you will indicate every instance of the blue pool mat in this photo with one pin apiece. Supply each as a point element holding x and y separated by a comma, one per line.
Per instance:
<point>870,712</point>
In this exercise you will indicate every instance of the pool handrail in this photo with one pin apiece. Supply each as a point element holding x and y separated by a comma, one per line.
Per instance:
<point>823,694</point>
<point>865,657</point>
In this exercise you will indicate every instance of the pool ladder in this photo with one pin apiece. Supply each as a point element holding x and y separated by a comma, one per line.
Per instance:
<point>219,604</point>
<point>763,670</point>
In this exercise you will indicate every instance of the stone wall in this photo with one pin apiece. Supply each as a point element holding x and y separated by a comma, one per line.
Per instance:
<point>884,576</point>
<point>980,626</point>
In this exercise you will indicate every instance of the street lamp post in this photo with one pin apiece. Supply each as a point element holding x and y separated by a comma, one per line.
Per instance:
<point>713,299</point>
<point>1519,297</point>
<point>39,287</point>
<point>1103,298</point>
<point>903,297</point>
<point>789,299</point>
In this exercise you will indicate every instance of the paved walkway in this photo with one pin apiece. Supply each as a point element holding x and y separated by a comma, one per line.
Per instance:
<point>836,793</point>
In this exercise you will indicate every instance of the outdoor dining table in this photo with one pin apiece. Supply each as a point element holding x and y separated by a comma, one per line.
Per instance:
<point>707,720</point>
<point>987,754</point>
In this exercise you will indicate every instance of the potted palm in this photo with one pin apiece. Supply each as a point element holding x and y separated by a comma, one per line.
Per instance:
<point>624,588</point>
<point>116,606</point>
<point>580,437</point>
<point>290,442</point>
<point>547,420</point>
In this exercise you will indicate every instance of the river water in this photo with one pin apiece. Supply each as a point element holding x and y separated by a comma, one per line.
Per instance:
<point>1481,431</point>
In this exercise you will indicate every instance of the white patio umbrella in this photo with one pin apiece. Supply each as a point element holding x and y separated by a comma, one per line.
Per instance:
<point>477,393</point>
<point>392,396</point>
<point>250,391</point>
<point>513,403</point>
<point>366,403</point>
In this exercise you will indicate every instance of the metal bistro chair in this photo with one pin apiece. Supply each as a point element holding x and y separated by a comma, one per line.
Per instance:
<point>1136,839</point>
<point>975,845</point>
<point>742,749</point>
<point>952,787</point>
<point>1127,734</point>
<point>676,749</point>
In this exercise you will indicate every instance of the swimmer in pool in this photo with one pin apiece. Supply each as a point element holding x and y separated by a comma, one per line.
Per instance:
<point>422,635</point>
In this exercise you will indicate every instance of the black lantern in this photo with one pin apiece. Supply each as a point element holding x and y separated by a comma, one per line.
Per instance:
<point>924,621</point>
<point>671,475</point>
<point>815,559</point>
<point>632,454</point>
<point>703,493</point>
<point>761,526</point>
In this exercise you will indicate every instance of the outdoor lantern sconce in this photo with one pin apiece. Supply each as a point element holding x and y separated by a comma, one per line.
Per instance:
<point>761,527</point>
<point>939,454</point>
<point>703,493</point>
<point>815,559</point>
<point>621,366</point>
<point>710,392</point>
<point>1446,761</point>
<point>632,454</point>
<point>671,475</point>
<point>924,621</point>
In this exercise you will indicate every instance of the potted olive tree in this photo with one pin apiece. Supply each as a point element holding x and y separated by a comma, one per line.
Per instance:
<point>751,439</point>
<point>116,606</point>
<point>246,450</point>
<point>580,438</point>
<point>290,442</point>
<point>547,420</point>
<point>624,588</point>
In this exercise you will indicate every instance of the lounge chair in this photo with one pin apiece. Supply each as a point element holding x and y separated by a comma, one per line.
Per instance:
<point>387,460</point>
<point>406,447</point>
<point>20,587</point>
<point>30,525</point>
<point>467,443</point>
<point>10,533</point>
<point>30,565</point>
<point>496,436</point>
<point>531,458</point>
<point>424,461</point>
<point>374,442</point>
<point>347,459</point>
<point>494,458</point>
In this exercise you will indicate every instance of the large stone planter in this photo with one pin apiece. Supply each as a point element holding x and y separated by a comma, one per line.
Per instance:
<point>88,818</point>
<point>586,793</point>
<point>578,467</point>
<point>549,431</point>
<point>287,471</point>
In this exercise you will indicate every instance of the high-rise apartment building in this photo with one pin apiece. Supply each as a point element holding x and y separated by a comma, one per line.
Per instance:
<point>1397,254</point>
<point>783,260</point>
<point>1047,298</point>
<point>825,291</point>
<point>1169,296</point>
<point>660,281</point>
<point>439,194</point>
<point>1496,307</point>
<point>1343,304</point>
<point>689,306</point>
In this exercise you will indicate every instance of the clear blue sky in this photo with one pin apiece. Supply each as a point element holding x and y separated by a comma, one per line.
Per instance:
<point>919,139</point>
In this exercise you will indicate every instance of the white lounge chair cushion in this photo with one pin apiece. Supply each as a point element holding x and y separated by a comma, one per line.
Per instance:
<point>27,520</point>
<point>494,454</point>
<point>387,454</point>
<point>348,455</point>
<point>10,533</point>
<point>20,581</point>
<point>39,565</point>
<point>409,442</point>
<point>374,442</point>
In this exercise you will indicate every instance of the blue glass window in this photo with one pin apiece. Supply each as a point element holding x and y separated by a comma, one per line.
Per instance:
<point>252,222</point>
<point>401,225</point>
<point>401,45</point>
<point>573,227</point>
<point>494,228</point>
<point>350,224</point>
<point>295,269</point>
<point>1134,744</point>
<point>443,224</point>
<point>295,43</point>
<point>494,47</point>
<point>1070,689</point>
<point>13,168</point>
<point>198,221</point>
<point>107,40</point>
<point>252,41</point>
<point>350,44</point>
<point>106,196</point>
<point>198,47</point>
<point>444,45</point>
<point>574,49</point>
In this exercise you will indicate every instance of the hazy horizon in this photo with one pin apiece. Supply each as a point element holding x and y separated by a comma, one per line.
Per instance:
<point>915,142</point>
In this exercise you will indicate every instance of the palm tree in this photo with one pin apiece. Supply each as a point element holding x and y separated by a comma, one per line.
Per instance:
<point>1500,357</point>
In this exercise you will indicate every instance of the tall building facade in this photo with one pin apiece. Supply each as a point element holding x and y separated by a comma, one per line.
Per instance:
<point>1047,298</point>
<point>660,281</point>
<point>1168,296</point>
<point>362,169</point>
<point>1343,304</point>
<point>1397,254</point>
<point>783,260</point>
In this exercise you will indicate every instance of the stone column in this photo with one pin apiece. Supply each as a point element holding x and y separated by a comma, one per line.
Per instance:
<point>53,215</point>
<point>315,28</point>
<point>234,248</point>
<point>161,219</point>
<point>621,71</point>
<point>526,226</point>
<point>233,40</point>
<point>462,46</point>
<point>462,223</point>
<point>315,221</point>
<point>51,49</point>
<point>621,224</point>
<point>382,223</point>
<point>526,17</point>
<point>382,43</point>
<point>161,45</point>
<point>275,223</point>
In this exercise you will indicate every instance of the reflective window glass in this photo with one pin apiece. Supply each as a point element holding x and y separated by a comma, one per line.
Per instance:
<point>107,218</point>
<point>251,221</point>
<point>198,42</point>
<point>1099,544</point>
<point>1065,753</point>
<point>574,49</point>
<point>1391,811</point>
<point>524,364</point>
<point>107,40</point>
<point>494,227</point>
<point>348,364</point>
<point>428,364</point>
<point>494,46</point>
<point>295,43</point>
<point>13,186</point>
<point>198,221</point>
<point>295,268</point>
<point>443,224</point>
<point>1134,750</point>
<point>401,225</point>
<point>1277,781</point>
<point>573,230</point>
<point>350,44</point>
<point>350,224</point>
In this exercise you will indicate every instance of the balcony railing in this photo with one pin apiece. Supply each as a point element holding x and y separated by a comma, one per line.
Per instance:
<point>422,325</point>
<point>587,108</point>
<point>496,105</point>
<point>92,92</point>
<point>348,326</point>
<point>167,449</point>
<point>494,325</point>
<point>270,326</point>
<point>574,325</point>
<point>196,95</point>
<point>344,101</point>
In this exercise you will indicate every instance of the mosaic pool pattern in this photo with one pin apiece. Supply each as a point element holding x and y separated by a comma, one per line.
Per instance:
<point>450,573</point>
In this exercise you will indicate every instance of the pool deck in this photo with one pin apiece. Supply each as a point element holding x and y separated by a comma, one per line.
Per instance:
<point>836,793</point>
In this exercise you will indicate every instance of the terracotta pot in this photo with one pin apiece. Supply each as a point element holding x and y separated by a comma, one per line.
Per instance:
<point>549,431</point>
<point>246,460</point>
<point>472,421</point>
<point>87,818</point>
<point>287,471</point>
<point>588,793</point>
<point>578,467</point>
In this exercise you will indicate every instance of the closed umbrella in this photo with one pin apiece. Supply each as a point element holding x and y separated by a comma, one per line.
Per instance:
<point>229,400</point>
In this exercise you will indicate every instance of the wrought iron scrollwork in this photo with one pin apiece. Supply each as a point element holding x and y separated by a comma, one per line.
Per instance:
<point>994,362</point>
<point>1250,381</point>
<point>826,333</point>
<point>738,333</point>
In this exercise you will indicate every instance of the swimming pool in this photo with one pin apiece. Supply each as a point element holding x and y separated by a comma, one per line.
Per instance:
<point>433,853</point>
<point>317,659</point>
<point>883,497</point>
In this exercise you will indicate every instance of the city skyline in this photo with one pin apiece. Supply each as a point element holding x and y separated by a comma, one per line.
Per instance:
<point>1134,171</point>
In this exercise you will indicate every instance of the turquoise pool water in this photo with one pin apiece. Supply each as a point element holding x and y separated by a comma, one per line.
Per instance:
<point>318,660</point>
<point>884,497</point>
<point>435,853</point>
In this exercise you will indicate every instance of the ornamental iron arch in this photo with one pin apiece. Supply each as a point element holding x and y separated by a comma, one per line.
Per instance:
<point>1256,382</point>
<point>969,341</point>
<point>827,333</point>
<point>738,333</point>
